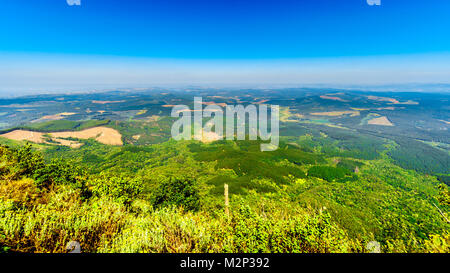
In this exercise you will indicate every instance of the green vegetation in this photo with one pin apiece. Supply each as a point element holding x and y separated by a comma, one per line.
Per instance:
<point>143,132</point>
<point>64,125</point>
<point>420,156</point>
<point>330,173</point>
<point>103,223</point>
<point>330,187</point>
<point>176,191</point>
<point>173,201</point>
<point>349,164</point>
<point>444,178</point>
<point>120,188</point>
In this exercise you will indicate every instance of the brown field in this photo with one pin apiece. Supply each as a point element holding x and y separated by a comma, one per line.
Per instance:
<point>106,101</point>
<point>337,113</point>
<point>392,100</point>
<point>67,114</point>
<point>380,121</point>
<point>325,97</point>
<point>65,142</point>
<point>386,108</point>
<point>47,118</point>
<point>103,135</point>
<point>35,137</point>
<point>53,117</point>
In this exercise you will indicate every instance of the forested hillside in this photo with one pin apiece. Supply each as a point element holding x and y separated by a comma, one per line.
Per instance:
<point>171,200</point>
<point>102,169</point>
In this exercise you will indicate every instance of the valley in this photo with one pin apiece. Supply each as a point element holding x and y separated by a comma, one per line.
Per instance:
<point>352,167</point>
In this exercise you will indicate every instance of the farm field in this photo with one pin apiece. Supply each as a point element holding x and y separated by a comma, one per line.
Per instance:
<point>103,135</point>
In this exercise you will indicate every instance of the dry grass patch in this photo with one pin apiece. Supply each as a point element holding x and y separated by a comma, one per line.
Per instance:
<point>337,113</point>
<point>101,134</point>
<point>392,100</point>
<point>326,97</point>
<point>107,101</point>
<point>380,121</point>
<point>54,117</point>
<point>35,137</point>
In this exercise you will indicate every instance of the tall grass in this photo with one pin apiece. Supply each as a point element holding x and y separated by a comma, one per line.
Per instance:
<point>34,220</point>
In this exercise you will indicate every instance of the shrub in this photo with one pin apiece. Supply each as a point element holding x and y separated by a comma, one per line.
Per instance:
<point>297,234</point>
<point>120,188</point>
<point>328,173</point>
<point>348,164</point>
<point>64,217</point>
<point>27,161</point>
<point>60,173</point>
<point>177,191</point>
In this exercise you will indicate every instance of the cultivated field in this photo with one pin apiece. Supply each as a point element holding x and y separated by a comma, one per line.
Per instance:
<point>337,113</point>
<point>35,137</point>
<point>101,134</point>
<point>53,117</point>
<point>380,121</point>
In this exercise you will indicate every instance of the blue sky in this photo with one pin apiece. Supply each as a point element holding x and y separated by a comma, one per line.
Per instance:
<point>49,44</point>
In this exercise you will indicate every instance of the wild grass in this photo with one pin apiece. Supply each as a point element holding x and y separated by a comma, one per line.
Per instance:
<point>32,220</point>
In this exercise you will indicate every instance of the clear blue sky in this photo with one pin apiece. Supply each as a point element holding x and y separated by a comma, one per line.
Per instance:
<point>135,36</point>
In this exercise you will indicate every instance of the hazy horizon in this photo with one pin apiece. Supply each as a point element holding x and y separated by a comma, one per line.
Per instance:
<point>53,47</point>
<point>401,88</point>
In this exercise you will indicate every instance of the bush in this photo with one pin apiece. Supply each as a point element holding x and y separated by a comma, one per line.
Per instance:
<point>60,173</point>
<point>120,188</point>
<point>296,234</point>
<point>27,161</point>
<point>24,162</point>
<point>328,173</point>
<point>48,227</point>
<point>348,164</point>
<point>177,191</point>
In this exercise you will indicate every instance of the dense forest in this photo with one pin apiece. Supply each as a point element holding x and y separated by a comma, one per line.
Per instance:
<point>169,198</point>
<point>335,184</point>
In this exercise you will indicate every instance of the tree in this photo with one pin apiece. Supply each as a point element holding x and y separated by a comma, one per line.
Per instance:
<point>121,188</point>
<point>177,191</point>
<point>28,161</point>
